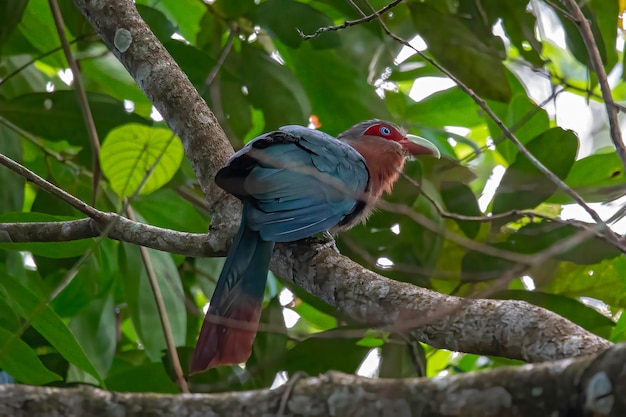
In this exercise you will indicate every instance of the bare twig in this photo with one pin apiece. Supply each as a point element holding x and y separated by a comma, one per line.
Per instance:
<point>221,59</point>
<point>596,62</point>
<point>349,23</point>
<point>82,98</point>
<point>52,189</point>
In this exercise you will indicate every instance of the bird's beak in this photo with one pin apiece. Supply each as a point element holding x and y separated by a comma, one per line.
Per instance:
<point>416,145</point>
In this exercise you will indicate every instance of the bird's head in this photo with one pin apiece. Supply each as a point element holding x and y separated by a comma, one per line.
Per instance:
<point>412,144</point>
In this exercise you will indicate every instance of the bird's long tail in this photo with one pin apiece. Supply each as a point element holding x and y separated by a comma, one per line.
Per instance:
<point>232,321</point>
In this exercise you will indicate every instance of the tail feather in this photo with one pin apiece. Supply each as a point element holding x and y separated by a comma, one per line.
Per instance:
<point>230,325</point>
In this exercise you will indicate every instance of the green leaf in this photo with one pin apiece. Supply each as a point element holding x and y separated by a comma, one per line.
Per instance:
<point>602,17</point>
<point>574,310</point>
<point>58,116</point>
<point>519,23</point>
<point>271,87</point>
<point>187,14</point>
<point>302,17</point>
<point>478,267</point>
<point>344,83</point>
<point>48,249</point>
<point>95,329</point>
<point>603,281</point>
<point>523,185</point>
<point>21,362</point>
<point>451,107</point>
<point>48,324</point>
<point>524,118</point>
<point>537,237</point>
<point>162,28</point>
<point>149,377</point>
<point>11,12</point>
<point>130,151</point>
<point>597,178</point>
<point>234,9</point>
<point>476,61</point>
<point>37,26</point>
<point>304,356</point>
<point>460,199</point>
<point>157,208</point>
<point>140,299</point>
<point>12,189</point>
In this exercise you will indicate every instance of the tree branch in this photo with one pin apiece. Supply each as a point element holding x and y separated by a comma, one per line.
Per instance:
<point>170,91</point>
<point>585,386</point>
<point>513,329</point>
<point>122,229</point>
<point>596,62</point>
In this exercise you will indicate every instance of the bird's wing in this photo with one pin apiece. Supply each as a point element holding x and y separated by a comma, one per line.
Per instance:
<point>300,182</point>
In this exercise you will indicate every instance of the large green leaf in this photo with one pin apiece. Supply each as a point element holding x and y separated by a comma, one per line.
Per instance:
<point>95,329</point>
<point>21,362</point>
<point>37,26</point>
<point>164,208</point>
<point>597,178</point>
<point>140,299</point>
<point>451,107</point>
<point>271,87</point>
<point>519,24</point>
<point>304,356</point>
<point>342,97</point>
<point>48,324</point>
<point>11,12</point>
<point>523,185</point>
<point>131,151</point>
<point>603,281</point>
<point>12,189</point>
<point>59,117</point>
<point>476,61</point>
<point>537,237</point>
<point>602,16</point>
<point>460,199</point>
<point>524,118</point>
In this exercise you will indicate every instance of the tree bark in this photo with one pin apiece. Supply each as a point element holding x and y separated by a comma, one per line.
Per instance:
<point>590,385</point>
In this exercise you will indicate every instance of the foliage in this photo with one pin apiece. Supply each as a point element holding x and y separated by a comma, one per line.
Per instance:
<point>82,311</point>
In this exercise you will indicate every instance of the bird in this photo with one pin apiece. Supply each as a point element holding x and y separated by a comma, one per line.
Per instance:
<point>294,182</point>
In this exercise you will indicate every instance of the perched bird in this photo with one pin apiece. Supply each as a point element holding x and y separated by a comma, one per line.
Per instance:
<point>293,183</point>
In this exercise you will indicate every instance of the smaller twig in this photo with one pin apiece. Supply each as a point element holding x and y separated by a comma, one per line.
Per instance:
<point>165,320</point>
<point>51,188</point>
<point>458,239</point>
<point>596,62</point>
<point>284,399</point>
<point>221,59</point>
<point>82,97</point>
<point>349,23</point>
<point>39,58</point>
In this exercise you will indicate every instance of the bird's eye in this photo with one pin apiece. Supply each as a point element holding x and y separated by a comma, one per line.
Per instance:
<point>385,131</point>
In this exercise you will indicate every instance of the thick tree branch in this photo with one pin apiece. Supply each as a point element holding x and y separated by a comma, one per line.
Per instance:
<point>514,329</point>
<point>170,91</point>
<point>121,228</point>
<point>589,385</point>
